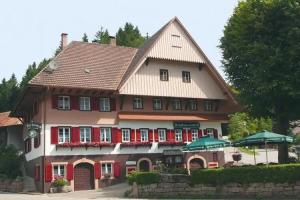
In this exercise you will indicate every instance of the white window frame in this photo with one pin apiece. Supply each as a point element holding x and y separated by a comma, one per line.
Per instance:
<point>86,134</point>
<point>194,133</point>
<point>178,135</point>
<point>157,104</point>
<point>137,103</point>
<point>105,171</point>
<point>84,103</point>
<point>162,135</point>
<point>144,135</point>
<point>105,134</point>
<point>177,104</point>
<point>208,106</point>
<point>186,76</point>
<point>64,138</point>
<point>125,134</point>
<point>64,103</point>
<point>164,74</point>
<point>104,104</point>
<point>59,174</point>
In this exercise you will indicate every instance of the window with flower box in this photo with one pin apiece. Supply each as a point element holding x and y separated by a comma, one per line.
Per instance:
<point>85,134</point>
<point>64,102</point>
<point>161,135</point>
<point>105,134</point>
<point>194,134</point>
<point>63,134</point>
<point>58,171</point>
<point>84,103</point>
<point>125,135</point>
<point>178,135</point>
<point>144,135</point>
<point>106,169</point>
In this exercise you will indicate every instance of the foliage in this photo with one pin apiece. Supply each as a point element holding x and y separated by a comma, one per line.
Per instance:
<point>129,36</point>
<point>242,124</point>
<point>59,182</point>
<point>102,37</point>
<point>176,171</point>
<point>143,178</point>
<point>253,174</point>
<point>10,162</point>
<point>85,38</point>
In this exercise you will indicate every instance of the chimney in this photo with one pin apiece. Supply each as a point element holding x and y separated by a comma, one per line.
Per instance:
<point>113,41</point>
<point>64,40</point>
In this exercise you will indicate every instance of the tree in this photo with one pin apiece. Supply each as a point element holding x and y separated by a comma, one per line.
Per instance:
<point>261,52</point>
<point>129,36</point>
<point>242,125</point>
<point>85,38</point>
<point>102,37</point>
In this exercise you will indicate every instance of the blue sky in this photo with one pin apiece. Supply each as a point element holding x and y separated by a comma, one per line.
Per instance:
<point>30,30</point>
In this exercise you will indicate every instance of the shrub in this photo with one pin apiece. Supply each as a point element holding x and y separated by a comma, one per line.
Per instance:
<point>143,178</point>
<point>177,171</point>
<point>253,174</point>
<point>59,182</point>
<point>10,162</point>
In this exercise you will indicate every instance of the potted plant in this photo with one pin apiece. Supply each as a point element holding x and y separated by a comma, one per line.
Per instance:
<point>59,183</point>
<point>107,176</point>
<point>237,156</point>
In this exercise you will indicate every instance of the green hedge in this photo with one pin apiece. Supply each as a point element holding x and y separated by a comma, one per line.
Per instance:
<point>143,178</point>
<point>253,174</point>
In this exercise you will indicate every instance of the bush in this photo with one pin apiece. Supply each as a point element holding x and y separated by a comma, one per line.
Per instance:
<point>253,174</point>
<point>59,182</point>
<point>10,162</point>
<point>143,178</point>
<point>177,171</point>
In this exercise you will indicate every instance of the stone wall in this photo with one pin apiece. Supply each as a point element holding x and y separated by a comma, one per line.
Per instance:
<point>11,185</point>
<point>179,186</point>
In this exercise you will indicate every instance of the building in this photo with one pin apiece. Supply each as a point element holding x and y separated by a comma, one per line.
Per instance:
<point>11,131</point>
<point>101,111</point>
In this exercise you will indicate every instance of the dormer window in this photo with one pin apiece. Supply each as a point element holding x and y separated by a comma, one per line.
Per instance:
<point>186,77</point>
<point>164,75</point>
<point>64,102</point>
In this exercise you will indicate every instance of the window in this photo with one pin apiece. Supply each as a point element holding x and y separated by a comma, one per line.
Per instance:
<point>193,104</point>
<point>164,75</point>
<point>84,103</point>
<point>210,132</point>
<point>63,134</point>
<point>178,135</point>
<point>186,77</point>
<point>208,106</point>
<point>58,171</point>
<point>157,104</point>
<point>178,159</point>
<point>106,168</point>
<point>105,134</point>
<point>85,134</point>
<point>194,134</point>
<point>104,104</point>
<point>64,102</point>
<point>215,156</point>
<point>126,135</point>
<point>176,104</point>
<point>161,135</point>
<point>137,103</point>
<point>144,135</point>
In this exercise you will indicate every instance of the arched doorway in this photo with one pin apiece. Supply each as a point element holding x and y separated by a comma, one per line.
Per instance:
<point>196,163</point>
<point>144,166</point>
<point>84,176</point>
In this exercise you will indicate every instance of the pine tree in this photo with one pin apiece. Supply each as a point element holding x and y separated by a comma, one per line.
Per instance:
<point>129,36</point>
<point>85,38</point>
<point>102,37</point>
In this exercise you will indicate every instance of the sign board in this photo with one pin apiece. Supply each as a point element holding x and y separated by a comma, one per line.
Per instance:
<point>128,162</point>
<point>172,152</point>
<point>33,129</point>
<point>186,125</point>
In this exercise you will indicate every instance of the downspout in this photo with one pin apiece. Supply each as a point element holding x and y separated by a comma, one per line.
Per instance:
<point>44,130</point>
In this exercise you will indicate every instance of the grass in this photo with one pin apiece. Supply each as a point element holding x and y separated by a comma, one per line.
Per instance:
<point>247,151</point>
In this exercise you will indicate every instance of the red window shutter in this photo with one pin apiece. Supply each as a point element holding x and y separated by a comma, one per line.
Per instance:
<point>54,135</point>
<point>117,169</point>
<point>172,135</point>
<point>156,135</point>
<point>119,135</point>
<point>48,173</point>
<point>114,137</point>
<point>205,131</point>
<point>95,103</point>
<point>97,170</point>
<point>189,135</point>
<point>95,134</point>
<point>37,173</point>
<point>69,171</point>
<point>132,135</point>
<point>184,135</point>
<point>215,131</point>
<point>138,135</point>
<point>74,102</point>
<point>112,104</point>
<point>54,102</point>
<point>169,135</point>
<point>150,135</point>
<point>75,137</point>
<point>200,133</point>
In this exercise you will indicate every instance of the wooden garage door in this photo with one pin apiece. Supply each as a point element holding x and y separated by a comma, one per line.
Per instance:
<point>83,177</point>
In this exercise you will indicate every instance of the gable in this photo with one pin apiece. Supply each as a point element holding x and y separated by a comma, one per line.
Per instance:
<point>175,44</point>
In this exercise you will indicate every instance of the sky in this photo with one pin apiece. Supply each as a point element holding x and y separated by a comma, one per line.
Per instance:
<point>30,30</point>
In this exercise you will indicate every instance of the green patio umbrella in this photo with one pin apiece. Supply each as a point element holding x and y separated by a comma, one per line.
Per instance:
<point>205,143</point>
<point>263,138</point>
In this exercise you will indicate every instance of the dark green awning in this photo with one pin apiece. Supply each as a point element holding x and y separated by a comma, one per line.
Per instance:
<point>205,143</point>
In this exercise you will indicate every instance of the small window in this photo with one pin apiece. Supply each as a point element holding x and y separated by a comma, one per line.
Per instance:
<point>106,168</point>
<point>210,132</point>
<point>85,134</point>
<point>58,171</point>
<point>208,106</point>
<point>178,159</point>
<point>186,77</point>
<point>84,103</point>
<point>137,103</point>
<point>178,135</point>
<point>176,104</point>
<point>144,135</point>
<point>193,104</point>
<point>64,102</point>
<point>164,75</point>
<point>64,134</point>
<point>157,104</point>
<point>126,135</point>
<point>194,134</point>
<point>161,135</point>
<point>105,134</point>
<point>104,104</point>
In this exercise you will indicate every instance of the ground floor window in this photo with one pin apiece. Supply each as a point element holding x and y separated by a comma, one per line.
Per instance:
<point>125,135</point>
<point>106,169</point>
<point>178,135</point>
<point>210,132</point>
<point>194,134</point>
<point>58,171</point>
<point>144,135</point>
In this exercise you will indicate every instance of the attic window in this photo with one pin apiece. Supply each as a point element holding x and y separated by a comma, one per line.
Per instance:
<point>174,35</point>
<point>176,46</point>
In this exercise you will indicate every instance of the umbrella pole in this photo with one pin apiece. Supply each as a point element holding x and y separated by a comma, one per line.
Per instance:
<point>254,155</point>
<point>266,153</point>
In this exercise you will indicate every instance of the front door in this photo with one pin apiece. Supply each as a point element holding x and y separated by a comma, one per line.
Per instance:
<point>83,177</point>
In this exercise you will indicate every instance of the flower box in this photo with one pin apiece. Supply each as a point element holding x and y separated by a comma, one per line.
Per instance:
<point>136,144</point>
<point>171,143</point>
<point>86,145</point>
